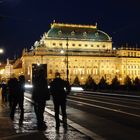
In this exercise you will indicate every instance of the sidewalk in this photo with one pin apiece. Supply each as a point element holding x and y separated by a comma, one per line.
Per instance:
<point>13,131</point>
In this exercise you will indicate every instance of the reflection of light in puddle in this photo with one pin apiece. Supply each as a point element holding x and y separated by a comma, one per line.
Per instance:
<point>30,125</point>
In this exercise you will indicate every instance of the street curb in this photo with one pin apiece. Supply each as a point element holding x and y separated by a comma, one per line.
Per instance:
<point>76,126</point>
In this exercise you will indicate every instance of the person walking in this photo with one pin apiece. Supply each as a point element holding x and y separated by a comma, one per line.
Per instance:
<point>4,91</point>
<point>21,96</point>
<point>16,94</point>
<point>39,96</point>
<point>59,90</point>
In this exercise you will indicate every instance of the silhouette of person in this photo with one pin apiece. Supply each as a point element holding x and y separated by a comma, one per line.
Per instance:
<point>39,96</point>
<point>11,90</point>
<point>16,96</point>
<point>21,96</point>
<point>4,91</point>
<point>59,90</point>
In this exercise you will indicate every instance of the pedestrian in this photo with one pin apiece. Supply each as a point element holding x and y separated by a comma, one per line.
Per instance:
<point>16,96</point>
<point>11,90</point>
<point>40,95</point>
<point>4,91</point>
<point>59,90</point>
<point>21,97</point>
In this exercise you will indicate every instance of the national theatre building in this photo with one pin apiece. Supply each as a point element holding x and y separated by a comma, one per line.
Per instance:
<point>80,51</point>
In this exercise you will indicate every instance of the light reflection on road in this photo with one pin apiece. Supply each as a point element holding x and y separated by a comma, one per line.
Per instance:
<point>29,125</point>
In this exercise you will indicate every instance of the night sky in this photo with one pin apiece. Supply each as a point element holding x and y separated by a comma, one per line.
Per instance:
<point>22,22</point>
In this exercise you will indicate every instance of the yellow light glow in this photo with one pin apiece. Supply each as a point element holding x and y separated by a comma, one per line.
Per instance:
<point>73,25</point>
<point>1,51</point>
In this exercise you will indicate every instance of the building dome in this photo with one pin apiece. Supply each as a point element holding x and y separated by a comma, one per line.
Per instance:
<point>80,32</point>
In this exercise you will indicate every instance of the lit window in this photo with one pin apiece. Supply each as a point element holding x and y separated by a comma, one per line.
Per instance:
<point>60,44</point>
<point>50,72</point>
<point>85,34</point>
<point>72,33</point>
<point>60,32</point>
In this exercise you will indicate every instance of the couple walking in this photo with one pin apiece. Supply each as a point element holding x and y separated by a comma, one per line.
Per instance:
<point>58,89</point>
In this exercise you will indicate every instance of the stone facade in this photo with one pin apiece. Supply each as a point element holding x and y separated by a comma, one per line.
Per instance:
<point>89,52</point>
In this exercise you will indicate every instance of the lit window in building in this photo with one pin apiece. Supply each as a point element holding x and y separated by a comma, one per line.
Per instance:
<point>62,71</point>
<point>85,34</point>
<point>124,71</point>
<point>87,71</point>
<point>102,71</point>
<point>60,44</point>
<point>96,71</point>
<point>76,72</point>
<point>83,71</point>
<point>72,33</point>
<point>28,70</point>
<point>50,72</point>
<point>60,32</point>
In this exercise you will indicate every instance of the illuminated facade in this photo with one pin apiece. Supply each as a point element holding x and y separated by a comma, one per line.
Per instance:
<point>89,51</point>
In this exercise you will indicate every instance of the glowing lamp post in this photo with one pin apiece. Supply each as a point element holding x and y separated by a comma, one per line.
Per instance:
<point>1,51</point>
<point>67,62</point>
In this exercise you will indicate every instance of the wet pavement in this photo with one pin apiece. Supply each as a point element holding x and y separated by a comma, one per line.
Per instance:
<point>30,126</point>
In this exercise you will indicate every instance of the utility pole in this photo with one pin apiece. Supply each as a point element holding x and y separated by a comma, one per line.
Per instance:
<point>67,60</point>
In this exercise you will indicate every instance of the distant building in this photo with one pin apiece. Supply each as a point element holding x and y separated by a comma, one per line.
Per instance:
<point>89,51</point>
<point>12,68</point>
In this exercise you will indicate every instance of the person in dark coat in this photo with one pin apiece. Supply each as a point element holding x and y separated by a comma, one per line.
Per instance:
<point>16,93</point>
<point>59,90</point>
<point>21,96</point>
<point>39,96</point>
<point>4,91</point>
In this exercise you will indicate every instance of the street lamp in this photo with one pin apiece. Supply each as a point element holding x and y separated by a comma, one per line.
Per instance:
<point>67,62</point>
<point>1,51</point>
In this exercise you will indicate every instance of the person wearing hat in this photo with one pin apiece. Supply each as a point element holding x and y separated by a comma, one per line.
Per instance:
<point>59,89</point>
